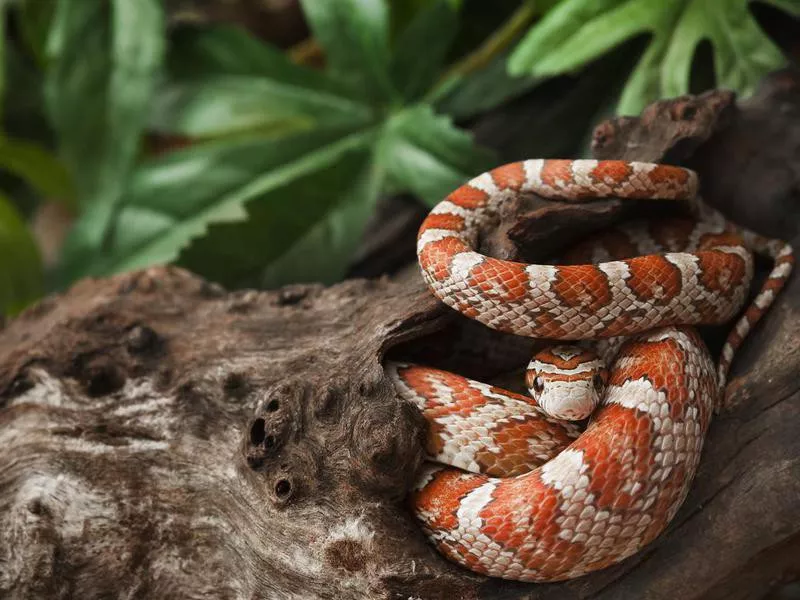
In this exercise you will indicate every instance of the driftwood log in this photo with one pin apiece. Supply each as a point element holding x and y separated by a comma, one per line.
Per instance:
<point>162,438</point>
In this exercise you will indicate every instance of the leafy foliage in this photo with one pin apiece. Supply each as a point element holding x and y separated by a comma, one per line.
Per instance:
<point>21,271</point>
<point>578,31</point>
<point>103,60</point>
<point>275,141</point>
<point>280,166</point>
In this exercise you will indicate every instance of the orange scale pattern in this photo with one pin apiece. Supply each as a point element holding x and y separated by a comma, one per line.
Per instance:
<point>436,257</point>
<point>443,221</point>
<point>520,445</point>
<point>442,496</point>
<point>509,177</point>
<point>469,197</point>
<point>545,502</point>
<point>496,432</point>
<point>622,480</point>
<point>503,280</point>
<point>654,279</point>
<point>612,172</point>
<point>582,286</point>
<point>722,272</point>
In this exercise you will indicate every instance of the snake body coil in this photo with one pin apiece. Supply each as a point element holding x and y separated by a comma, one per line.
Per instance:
<point>526,496</point>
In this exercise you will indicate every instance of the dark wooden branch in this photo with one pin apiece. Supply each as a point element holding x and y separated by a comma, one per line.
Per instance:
<point>162,438</point>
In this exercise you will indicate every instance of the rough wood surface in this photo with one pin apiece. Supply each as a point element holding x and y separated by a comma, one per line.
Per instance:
<point>162,438</point>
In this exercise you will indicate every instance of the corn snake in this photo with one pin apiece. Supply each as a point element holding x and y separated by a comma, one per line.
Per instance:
<point>527,496</point>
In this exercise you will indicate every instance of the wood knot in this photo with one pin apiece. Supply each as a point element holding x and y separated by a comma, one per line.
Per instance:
<point>684,110</point>
<point>602,136</point>
<point>389,444</point>
<point>19,385</point>
<point>38,508</point>
<point>283,489</point>
<point>102,377</point>
<point>267,435</point>
<point>236,385</point>
<point>142,340</point>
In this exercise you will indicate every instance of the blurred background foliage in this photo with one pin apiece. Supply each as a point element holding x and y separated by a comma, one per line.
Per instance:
<point>253,141</point>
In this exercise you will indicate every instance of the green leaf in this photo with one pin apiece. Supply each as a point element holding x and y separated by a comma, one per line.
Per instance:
<point>323,254</point>
<point>292,161</point>
<point>21,277</point>
<point>103,60</point>
<point>644,82</point>
<point>479,81</point>
<point>404,12</point>
<point>485,89</point>
<point>227,105</point>
<point>23,104</point>
<point>174,199</point>
<point>281,242</point>
<point>198,53</point>
<point>743,54</point>
<point>35,19</point>
<point>559,26</point>
<point>224,82</point>
<point>432,29</point>
<point>424,153</point>
<point>355,37</point>
<point>238,86</point>
<point>39,169</point>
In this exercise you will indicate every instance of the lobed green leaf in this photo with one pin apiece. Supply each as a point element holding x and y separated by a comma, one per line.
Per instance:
<point>103,60</point>
<point>236,85</point>
<point>743,53</point>
<point>422,47</point>
<point>173,200</point>
<point>355,37</point>
<point>426,154</point>
<point>559,25</point>
<point>308,238</point>
<point>578,31</point>
<point>293,160</point>
<point>254,106</point>
<point>484,89</point>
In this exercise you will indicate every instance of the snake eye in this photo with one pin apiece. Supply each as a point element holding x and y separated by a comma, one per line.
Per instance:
<point>538,385</point>
<point>598,383</point>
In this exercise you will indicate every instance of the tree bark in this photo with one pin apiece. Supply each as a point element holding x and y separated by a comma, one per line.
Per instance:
<point>160,437</point>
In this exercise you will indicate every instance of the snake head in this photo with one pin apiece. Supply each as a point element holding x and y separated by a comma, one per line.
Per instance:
<point>567,381</point>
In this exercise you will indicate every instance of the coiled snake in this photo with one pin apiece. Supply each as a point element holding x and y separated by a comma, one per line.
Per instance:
<point>526,495</point>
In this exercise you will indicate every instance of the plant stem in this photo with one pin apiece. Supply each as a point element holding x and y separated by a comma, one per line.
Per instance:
<point>495,44</point>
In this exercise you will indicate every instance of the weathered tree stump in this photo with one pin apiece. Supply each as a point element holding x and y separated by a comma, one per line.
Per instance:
<point>162,438</point>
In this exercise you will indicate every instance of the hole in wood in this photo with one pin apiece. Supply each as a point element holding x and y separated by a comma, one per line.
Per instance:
<point>104,380</point>
<point>283,488</point>
<point>257,432</point>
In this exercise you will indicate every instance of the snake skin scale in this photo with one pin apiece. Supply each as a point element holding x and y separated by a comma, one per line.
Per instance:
<point>518,493</point>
